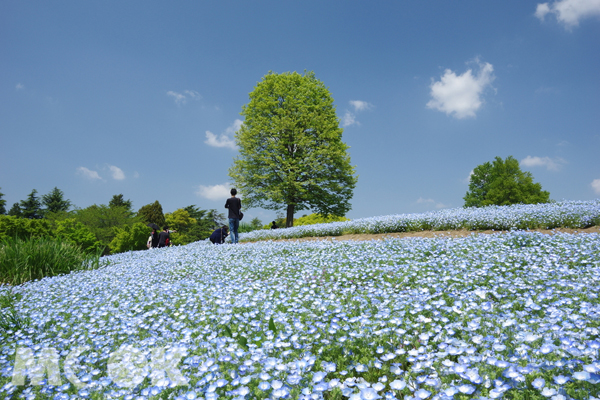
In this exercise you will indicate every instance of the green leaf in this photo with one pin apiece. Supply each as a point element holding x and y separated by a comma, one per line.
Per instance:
<point>243,342</point>
<point>272,326</point>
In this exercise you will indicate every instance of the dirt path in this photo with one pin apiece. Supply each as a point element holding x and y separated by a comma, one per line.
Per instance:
<point>431,234</point>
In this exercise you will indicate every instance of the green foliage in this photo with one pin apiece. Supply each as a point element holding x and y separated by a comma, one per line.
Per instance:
<point>23,260</point>
<point>118,201</point>
<point>152,213</point>
<point>130,238</point>
<point>318,219</point>
<point>15,210</point>
<point>15,227</point>
<point>206,222</point>
<point>503,183</point>
<point>2,204</point>
<point>291,152</point>
<point>77,233</point>
<point>32,207</point>
<point>253,225</point>
<point>55,202</point>
<point>180,221</point>
<point>102,220</point>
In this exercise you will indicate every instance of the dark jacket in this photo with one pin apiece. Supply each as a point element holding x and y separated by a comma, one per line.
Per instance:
<point>234,205</point>
<point>218,236</point>
<point>162,239</point>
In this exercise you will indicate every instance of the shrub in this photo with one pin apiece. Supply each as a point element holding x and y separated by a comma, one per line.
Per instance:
<point>11,226</point>
<point>23,260</point>
<point>129,238</point>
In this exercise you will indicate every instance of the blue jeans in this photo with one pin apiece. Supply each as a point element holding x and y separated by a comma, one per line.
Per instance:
<point>234,224</point>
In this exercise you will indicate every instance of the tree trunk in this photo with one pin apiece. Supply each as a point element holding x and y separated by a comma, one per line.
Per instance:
<point>289,219</point>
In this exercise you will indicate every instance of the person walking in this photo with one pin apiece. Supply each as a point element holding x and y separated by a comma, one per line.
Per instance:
<point>234,205</point>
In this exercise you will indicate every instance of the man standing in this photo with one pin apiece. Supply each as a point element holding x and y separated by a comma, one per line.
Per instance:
<point>234,205</point>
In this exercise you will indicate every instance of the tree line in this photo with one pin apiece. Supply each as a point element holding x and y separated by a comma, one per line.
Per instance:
<point>114,227</point>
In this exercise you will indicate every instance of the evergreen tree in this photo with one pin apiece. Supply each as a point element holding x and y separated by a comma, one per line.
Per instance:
<point>31,207</point>
<point>15,210</point>
<point>55,201</point>
<point>503,183</point>
<point>152,213</point>
<point>2,204</point>
<point>118,201</point>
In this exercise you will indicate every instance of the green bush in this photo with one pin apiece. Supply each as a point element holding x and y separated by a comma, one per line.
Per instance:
<point>77,233</point>
<point>129,238</point>
<point>317,219</point>
<point>23,260</point>
<point>11,226</point>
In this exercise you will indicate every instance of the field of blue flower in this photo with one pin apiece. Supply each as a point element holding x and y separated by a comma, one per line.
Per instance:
<point>513,315</point>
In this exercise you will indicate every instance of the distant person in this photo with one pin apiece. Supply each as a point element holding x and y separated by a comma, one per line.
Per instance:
<point>153,239</point>
<point>219,235</point>
<point>164,238</point>
<point>235,215</point>
<point>274,226</point>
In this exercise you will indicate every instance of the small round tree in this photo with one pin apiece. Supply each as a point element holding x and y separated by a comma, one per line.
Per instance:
<point>503,183</point>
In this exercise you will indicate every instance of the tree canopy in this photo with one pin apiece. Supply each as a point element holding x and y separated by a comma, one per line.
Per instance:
<point>152,213</point>
<point>119,201</point>
<point>55,201</point>
<point>31,207</point>
<point>503,183</point>
<point>291,153</point>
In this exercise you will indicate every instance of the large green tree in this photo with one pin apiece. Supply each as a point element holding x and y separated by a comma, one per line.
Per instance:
<point>32,206</point>
<point>55,201</point>
<point>291,154</point>
<point>502,182</point>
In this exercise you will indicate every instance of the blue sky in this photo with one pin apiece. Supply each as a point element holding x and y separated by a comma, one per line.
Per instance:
<point>142,98</point>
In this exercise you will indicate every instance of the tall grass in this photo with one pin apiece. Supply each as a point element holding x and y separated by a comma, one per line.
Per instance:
<point>23,260</point>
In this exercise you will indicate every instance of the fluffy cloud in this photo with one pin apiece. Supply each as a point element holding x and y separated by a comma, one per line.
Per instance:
<point>116,172</point>
<point>569,12</point>
<point>349,118</point>
<point>550,164</point>
<point>360,105</point>
<point>19,86</point>
<point>225,139</point>
<point>181,98</point>
<point>89,174</point>
<point>596,185</point>
<point>215,192</point>
<point>460,95</point>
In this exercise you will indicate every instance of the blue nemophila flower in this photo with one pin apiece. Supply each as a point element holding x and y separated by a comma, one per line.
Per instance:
<point>538,383</point>
<point>369,394</point>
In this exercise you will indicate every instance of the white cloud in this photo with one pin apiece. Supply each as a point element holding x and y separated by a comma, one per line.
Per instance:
<point>460,95</point>
<point>193,94</point>
<point>181,98</point>
<point>349,119</point>
<point>215,192</point>
<point>468,179</point>
<point>225,139</point>
<point>569,12</point>
<point>550,164</point>
<point>360,105</point>
<point>432,202</point>
<point>20,86</point>
<point>596,185</point>
<point>89,174</point>
<point>116,172</point>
